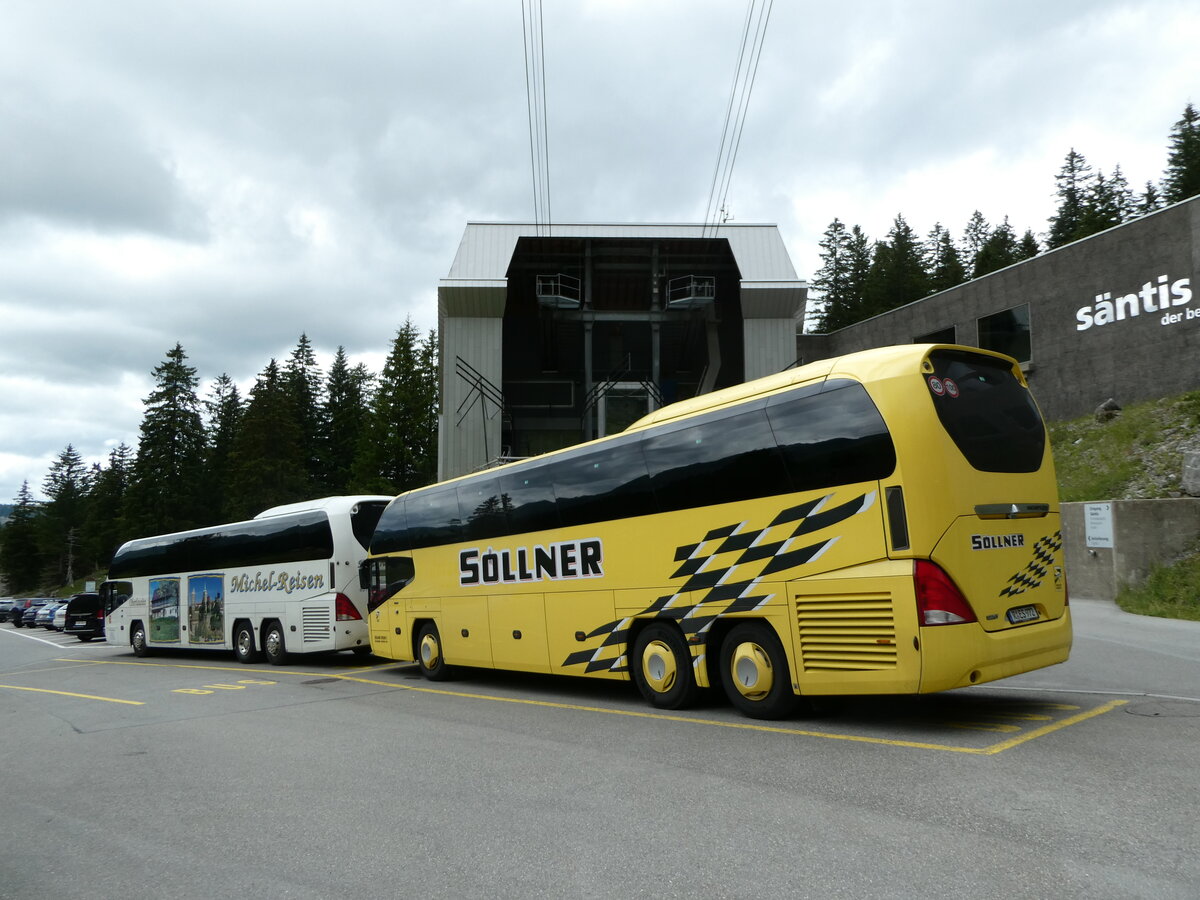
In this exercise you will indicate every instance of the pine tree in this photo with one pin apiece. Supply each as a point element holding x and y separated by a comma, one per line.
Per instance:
<point>398,451</point>
<point>998,251</point>
<point>20,553</point>
<point>832,280</point>
<point>1028,248</point>
<point>62,518</point>
<point>105,528</point>
<point>223,419</point>
<point>1150,200</point>
<point>302,378</point>
<point>1101,209</point>
<point>1122,194</point>
<point>1073,182</point>
<point>343,420</point>
<point>945,265</point>
<point>266,461</point>
<point>1182,177</point>
<point>859,267</point>
<point>167,490</point>
<point>975,235</point>
<point>897,275</point>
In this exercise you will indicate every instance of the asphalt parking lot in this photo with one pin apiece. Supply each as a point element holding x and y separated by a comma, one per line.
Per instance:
<point>331,774</point>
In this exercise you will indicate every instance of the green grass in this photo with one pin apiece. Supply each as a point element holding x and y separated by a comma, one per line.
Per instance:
<point>1137,455</point>
<point>1170,591</point>
<point>78,586</point>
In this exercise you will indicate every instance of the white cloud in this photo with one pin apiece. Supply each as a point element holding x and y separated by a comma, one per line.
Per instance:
<point>228,175</point>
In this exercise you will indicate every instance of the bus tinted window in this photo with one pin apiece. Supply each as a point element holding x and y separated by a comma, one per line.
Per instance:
<point>529,497</point>
<point>988,413</point>
<point>605,482</point>
<point>483,509</point>
<point>831,438</point>
<point>391,533</point>
<point>278,539</point>
<point>726,458</point>
<point>433,517</point>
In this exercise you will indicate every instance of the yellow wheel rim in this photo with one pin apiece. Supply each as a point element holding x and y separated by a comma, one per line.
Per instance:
<point>658,667</point>
<point>430,652</point>
<point>751,669</point>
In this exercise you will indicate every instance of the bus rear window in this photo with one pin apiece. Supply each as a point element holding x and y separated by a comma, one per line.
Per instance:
<point>987,412</point>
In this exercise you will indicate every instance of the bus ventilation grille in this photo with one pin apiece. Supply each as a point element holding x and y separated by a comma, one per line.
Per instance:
<point>846,633</point>
<point>316,622</point>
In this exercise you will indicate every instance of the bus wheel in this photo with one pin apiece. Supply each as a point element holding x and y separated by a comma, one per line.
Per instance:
<point>429,654</point>
<point>662,667</point>
<point>754,672</point>
<point>273,645</point>
<point>138,640</point>
<point>243,644</point>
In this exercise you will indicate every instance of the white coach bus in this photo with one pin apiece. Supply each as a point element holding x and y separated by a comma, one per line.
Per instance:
<point>284,582</point>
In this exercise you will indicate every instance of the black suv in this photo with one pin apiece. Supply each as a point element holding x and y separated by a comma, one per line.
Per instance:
<point>85,617</point>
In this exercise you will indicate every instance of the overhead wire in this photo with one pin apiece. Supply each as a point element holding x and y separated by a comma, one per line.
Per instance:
<point>532,35</point>
<point>758,14</point>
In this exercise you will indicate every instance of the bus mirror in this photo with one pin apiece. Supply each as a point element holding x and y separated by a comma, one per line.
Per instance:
<point>364,574</point>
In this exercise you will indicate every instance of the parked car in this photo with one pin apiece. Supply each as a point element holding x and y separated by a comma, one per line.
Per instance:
<point>6,605</point>
<point>60,617</point>
<point>23,616</point>
<point>85,617</point>
<point>45,615</point>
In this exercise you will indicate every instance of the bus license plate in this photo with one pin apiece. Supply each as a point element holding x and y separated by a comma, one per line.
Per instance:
<point>1019,614</point>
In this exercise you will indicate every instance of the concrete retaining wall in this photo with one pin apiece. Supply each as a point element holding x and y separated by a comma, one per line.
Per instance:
<point>1144,533</point>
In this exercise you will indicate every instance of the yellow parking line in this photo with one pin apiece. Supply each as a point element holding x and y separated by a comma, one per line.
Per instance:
<point>13,687</point>
<point>641,714</point>
<point>1053,726</point>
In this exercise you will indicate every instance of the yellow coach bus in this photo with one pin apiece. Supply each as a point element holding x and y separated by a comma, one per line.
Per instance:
<point>883,522</point>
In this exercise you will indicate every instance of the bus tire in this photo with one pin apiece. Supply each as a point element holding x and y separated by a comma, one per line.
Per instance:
<point>430,659</point>
<point>137,640</point>
<point>243,644</point>
<point>361,651</point>
<point>662,667</point>
<point>274,646</point>
<point>755,674</point>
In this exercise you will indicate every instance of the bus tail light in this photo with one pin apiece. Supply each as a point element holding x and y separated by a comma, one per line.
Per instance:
<point>346,611</point>
<point>939,600</point>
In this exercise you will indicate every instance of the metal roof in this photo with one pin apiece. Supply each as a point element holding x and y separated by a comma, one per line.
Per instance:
<point>487,247</point>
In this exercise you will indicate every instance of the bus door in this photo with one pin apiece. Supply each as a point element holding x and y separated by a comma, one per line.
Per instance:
<point>384,580</point>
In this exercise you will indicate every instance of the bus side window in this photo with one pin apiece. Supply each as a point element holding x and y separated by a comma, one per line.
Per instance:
<point>596,485</point>
<point>720,460</point>
<point>833,438</point>
<point>433,518</point>
<point>483,509</point>
<point>528,498</point>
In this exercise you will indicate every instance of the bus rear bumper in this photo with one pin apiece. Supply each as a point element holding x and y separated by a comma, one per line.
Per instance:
<point>955,656</point>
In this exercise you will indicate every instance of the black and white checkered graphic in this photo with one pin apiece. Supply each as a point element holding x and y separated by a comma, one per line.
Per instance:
<point>1037,569</point>
<point>724,569</point>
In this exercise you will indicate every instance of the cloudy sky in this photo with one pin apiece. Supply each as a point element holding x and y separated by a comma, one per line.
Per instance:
<point>228,175</point>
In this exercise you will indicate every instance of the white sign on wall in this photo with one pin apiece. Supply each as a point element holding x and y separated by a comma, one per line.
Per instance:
<point>1097,520</point>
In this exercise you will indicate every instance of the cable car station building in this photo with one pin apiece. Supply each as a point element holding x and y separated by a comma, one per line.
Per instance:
<point>555,335</point>
<point>549,340</point>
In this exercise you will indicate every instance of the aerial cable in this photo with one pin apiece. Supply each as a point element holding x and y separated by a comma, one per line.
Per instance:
<point>535,96</point>
<point>745,73</point>
<point>747,90</point>
<point>728,113</point>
